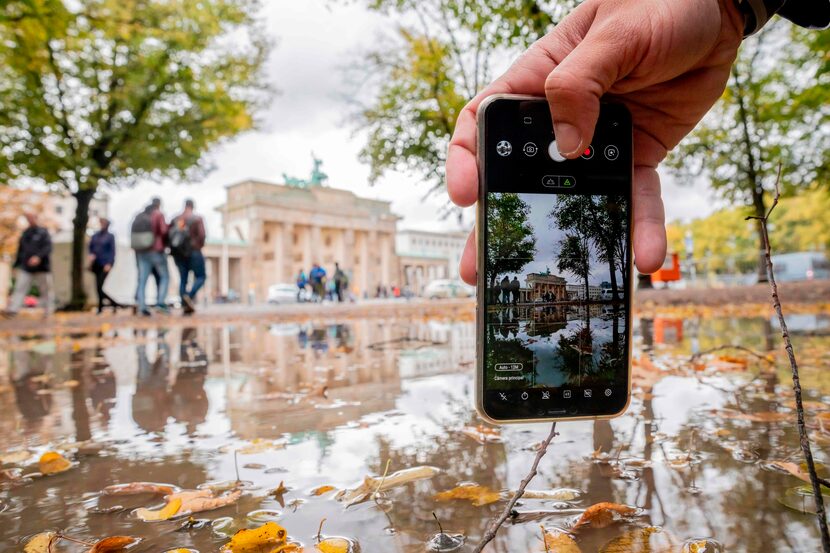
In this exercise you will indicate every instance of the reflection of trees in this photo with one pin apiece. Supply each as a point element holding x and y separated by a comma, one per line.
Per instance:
<point>510,240</point>
<point>612,354</point>
<point>576,351</point>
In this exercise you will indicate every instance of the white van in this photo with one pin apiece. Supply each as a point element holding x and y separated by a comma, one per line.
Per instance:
<point>791,267</point>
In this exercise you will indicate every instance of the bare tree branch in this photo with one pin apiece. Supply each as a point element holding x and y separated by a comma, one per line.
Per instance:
<point>490,534</point>
<point>802,428</point>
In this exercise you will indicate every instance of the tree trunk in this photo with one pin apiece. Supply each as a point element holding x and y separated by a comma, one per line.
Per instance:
<point>760,210</point>
<point>612,267</point>
<point>79,224</point>
<point>644,282</point>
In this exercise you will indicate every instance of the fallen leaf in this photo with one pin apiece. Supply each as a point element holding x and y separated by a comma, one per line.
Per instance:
<point>40,543</point>
<point>557,541</point>
<point>482,434</point>
<point>650,539</point>
<point>112,544</point>
<point>603,514</point>
<point>334,545</point>
<point>372,484</point>
<point>15,457</point>
<point>799,471</point>
<point>53,462</point>
<point>164,513</point>
<point>258,445</point>
<point>196,501</point>
<point>321,490</point>
<point>478,495</point>
<point>560,494</point>
<point>268,538</point>
<point>701,545</point>
<point>279,493</point>
<point>71,384</point>
<point>132,488</point>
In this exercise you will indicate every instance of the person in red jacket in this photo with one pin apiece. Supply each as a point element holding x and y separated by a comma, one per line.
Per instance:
<point>186,237</point>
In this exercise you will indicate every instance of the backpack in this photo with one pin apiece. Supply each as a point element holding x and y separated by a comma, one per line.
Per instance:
<point>179,239</point>
<point>141,232</point>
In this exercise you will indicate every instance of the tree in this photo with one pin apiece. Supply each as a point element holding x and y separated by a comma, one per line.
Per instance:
<point>511,243</point>
<point>103,93</point>
<point>575,257</point>
<point>776,109</point>
<point>441,56</point>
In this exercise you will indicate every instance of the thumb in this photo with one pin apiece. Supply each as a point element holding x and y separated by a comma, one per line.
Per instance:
<point>575,86</point>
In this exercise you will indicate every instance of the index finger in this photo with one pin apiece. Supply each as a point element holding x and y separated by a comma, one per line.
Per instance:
<point>526,76</point>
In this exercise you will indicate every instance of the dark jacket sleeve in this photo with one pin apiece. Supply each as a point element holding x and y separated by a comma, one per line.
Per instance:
<point>814,14</point>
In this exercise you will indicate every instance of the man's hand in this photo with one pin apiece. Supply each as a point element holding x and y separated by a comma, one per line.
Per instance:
<point>667,60</point>
<point>107,268</point>
<point>33,261</point>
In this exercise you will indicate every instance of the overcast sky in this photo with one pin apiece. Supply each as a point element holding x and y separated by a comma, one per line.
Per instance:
<point>314,42</point>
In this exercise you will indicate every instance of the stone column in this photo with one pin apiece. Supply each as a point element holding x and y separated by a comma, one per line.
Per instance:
<point>287,264</point>
<point>255,240</point>
<point>305,244</point>
<point>316,244</point>
<point>348,247</point>
<point>366,283</point>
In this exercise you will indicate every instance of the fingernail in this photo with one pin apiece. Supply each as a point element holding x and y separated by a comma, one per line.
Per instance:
<point>568,138</point>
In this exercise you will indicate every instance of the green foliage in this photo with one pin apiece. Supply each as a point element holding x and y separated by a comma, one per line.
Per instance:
<point>510,240</point>
<point>799,223</point>
<point>440,56</point>
<point>110,91</point>
<point>776,109</point>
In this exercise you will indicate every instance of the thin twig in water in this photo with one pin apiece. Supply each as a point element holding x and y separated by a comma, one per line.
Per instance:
<point>496,524</point>
<point>699,354</point>
<point>799,406</point>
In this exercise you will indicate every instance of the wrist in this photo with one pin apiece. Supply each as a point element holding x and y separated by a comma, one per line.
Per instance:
<point>734,19</point>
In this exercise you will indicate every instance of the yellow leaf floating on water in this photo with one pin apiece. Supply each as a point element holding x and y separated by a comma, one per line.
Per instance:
<point>164,513</point>
<point>268,538</point>
<point>482,434</point>
<point>53,462</point>
<point>559,494</point>
<point>603,514</point>
<point>650,539</point>
<point>334,545</point>
<point>196,501</point>
<point>320,490</point>
<point>113,544</point>
<point>132,488</point>
<point>40,543</point>
<point>557,541</point>
<point>478,495</point>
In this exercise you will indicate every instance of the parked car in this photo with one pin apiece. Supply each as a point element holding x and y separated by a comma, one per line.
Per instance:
<point>282,293</point>
<point>448,288</point>
<point>790,267</point>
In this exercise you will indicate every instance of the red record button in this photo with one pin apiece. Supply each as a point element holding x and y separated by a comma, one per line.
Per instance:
<point>588,152</point>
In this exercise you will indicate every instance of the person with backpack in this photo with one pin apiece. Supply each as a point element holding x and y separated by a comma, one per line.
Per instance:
<point>302,282</point>
<point>186,238</point>
<point>148,237</point>
<point>317,276</point>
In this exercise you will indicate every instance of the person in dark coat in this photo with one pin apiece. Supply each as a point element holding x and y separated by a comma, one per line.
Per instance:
<point>101,260</point>
<point>33,266</point>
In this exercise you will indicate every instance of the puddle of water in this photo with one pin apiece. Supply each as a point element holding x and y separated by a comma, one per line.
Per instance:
<point>327,404</point>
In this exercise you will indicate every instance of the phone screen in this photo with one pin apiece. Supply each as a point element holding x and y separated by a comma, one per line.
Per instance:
<point>554,267</point>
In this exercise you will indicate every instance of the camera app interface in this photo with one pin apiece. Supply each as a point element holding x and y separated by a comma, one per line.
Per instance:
<point>556,283</point>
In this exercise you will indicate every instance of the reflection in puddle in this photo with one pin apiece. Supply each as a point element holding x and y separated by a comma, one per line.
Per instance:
<point>294,408</point>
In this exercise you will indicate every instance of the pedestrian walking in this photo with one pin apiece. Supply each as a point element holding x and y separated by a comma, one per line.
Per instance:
<point>32,265</point>
<point>317,276</point>
<point>101,260</point>
<point>148,237</point>
<point>186,237</point>
<point>302,282</point>
<point>515,287</point>
<point>504,286</point>
<point>341,282</point>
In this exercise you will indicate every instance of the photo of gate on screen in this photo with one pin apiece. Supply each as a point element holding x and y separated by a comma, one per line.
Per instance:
<point>556,268</point>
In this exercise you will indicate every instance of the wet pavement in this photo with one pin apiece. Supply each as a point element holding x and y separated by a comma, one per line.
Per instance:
<point>244,407</point>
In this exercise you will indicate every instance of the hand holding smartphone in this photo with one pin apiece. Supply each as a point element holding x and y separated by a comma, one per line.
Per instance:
<point>554,266</point>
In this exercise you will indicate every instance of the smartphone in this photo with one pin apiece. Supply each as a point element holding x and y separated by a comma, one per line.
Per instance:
<point>554,266</point>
